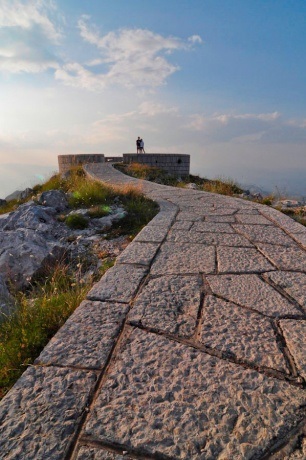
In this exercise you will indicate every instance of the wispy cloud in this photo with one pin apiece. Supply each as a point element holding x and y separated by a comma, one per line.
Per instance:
<point>26,30</point>
<point>131,58</point>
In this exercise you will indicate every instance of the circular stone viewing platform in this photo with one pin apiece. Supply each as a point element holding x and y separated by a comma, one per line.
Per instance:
<point>176,164</point>
<point>66,162</point>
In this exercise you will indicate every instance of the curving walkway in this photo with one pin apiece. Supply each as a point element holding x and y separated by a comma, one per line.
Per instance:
<point>193,346</point>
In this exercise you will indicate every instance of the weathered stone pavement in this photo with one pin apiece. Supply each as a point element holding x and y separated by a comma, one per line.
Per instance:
<point>193,346</point>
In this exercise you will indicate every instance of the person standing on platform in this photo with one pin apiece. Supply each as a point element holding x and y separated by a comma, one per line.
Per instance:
<point>138,145</point>
<point>142,150</point>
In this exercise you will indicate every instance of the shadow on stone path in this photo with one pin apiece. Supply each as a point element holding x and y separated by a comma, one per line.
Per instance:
<point>191,347</point>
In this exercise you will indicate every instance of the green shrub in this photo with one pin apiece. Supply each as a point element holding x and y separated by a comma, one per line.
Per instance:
<point>76,221</point>
<point>37,317</point>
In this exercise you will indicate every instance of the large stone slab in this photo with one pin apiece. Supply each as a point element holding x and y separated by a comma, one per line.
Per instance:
<point>293,283</point>
<point>164,218</point>
<point>182,225</point>
<point>219,239</point>
<point>88,336</point>
<point>295,335</point>
<point>253,219</point>
<point>214,227</point>
<point>118,284</point>
<point>184,258</point>
<point>93,453</point>
<point>288,224</point>
<point>165,398</point>
<point>265,234</point>
<point>138,253</point>
<point>224,219</point>
<point>250,291</point>
<point>191,216</point>
<point>169,304</point>
<point>285,258</point>
<point>40,415</point>
<point>241,260</point>
<point>152,234</point>
<point>240,333</point>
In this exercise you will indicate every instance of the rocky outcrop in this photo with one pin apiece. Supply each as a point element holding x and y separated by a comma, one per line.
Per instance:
<point>32,239</point>
<point>6,300</point>
<point>19,195</point>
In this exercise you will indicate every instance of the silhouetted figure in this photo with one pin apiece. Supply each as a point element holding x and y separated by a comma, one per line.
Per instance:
<point>138,145</point>
<point>142,150</point>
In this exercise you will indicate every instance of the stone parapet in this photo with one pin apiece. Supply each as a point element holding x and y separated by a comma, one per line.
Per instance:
<point>66,162</point>
<point>176,164</point>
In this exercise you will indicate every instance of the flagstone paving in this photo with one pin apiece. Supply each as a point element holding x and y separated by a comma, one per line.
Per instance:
<point>191,347</point>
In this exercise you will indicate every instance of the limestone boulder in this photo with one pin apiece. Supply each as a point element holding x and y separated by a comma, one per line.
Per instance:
<point>25,253</point>
<point>54,199</point>
<point>30,216</point>
<point>20,194</point>
<point>6,300</point>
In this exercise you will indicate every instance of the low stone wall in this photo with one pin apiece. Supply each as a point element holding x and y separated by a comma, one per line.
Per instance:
<point>176,164</point>
<point>115,159</point>
<point>66,162</point>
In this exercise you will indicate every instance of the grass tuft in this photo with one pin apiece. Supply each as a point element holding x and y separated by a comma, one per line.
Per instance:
<point>76,221</point>
<point>36,318</point>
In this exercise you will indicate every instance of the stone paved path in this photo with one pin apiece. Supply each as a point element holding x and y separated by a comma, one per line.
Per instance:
<point>193,346</point>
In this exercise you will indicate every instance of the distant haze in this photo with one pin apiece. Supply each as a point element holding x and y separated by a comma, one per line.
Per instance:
<point>222,81</point>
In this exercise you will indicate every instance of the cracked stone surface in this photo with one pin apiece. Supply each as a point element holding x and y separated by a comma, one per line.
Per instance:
<point>293,283</point>
<point>222,239</point>
<point>39,415</point>
<point>118,284</point>
<point>241,260</point>
<point>152,233</point>
<point>192,347</point>
<point>88,336</point>
<point>250,291</point>
<point>92,453</point>
<point>253,219</point>
<point>214,227</point>
<point>163,397</point>
<point>222,219</point>
<point>138,253</point>
<point>295,335</point>
<point>240,333</point>
<point>169,304</point>
<point>184,258</point>
<point>265,234</point>
<point>290,258</point>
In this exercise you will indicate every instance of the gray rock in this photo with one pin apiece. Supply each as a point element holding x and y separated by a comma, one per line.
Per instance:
<point>6,300</point>
<point>55,199</point>
<point>2,202</point>
<point>19,194</point>
<point>192,186</point>
<point>30,217</point>
<point>25,253</point>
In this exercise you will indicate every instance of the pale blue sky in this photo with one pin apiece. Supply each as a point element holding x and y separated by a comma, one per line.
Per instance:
<point>222,80</point>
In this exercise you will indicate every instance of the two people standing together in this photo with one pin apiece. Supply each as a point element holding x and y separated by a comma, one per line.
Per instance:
<point>140,146</point>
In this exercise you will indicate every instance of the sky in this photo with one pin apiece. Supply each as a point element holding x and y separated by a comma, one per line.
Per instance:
<point>221,80</point>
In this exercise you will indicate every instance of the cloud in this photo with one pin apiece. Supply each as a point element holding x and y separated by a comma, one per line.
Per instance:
<point>129,58</point>
<point>26,33</point>
<point>195,39</point>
